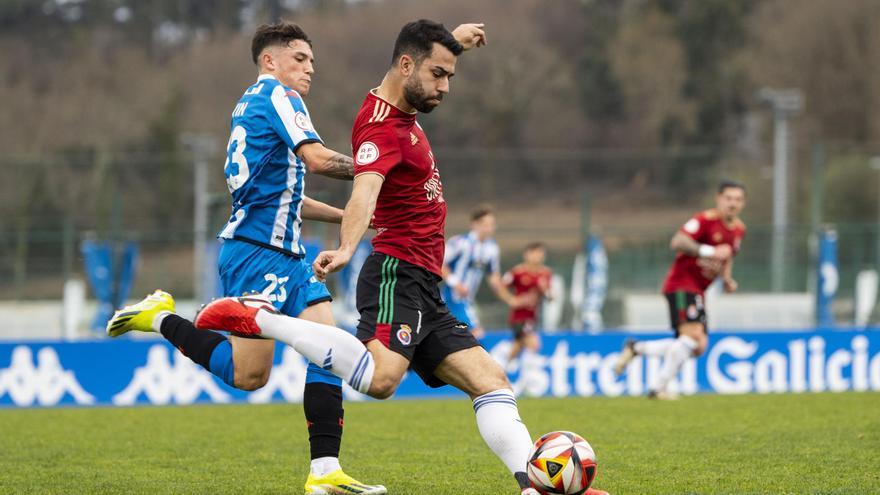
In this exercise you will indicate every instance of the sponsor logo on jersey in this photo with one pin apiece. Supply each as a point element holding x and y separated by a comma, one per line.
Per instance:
<point>302,121</point>
<point>413,139</point>
<point>367,153</point>
<point>404,335</point>
<point>433,186</point>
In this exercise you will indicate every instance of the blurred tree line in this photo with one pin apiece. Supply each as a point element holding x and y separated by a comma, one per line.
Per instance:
<point>95,90</point>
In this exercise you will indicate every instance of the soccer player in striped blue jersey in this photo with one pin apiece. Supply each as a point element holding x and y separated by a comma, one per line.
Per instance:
<point>469,257</point>
<point>272,144</point>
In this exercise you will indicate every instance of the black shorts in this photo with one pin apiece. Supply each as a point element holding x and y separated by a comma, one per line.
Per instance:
<point>400,306</point>
<point>522,328</point>
<point>686,307</point>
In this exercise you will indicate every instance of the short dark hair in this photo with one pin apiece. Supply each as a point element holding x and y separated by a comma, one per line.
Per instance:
<point>280,34</point>
<point>481,211</point>
<point>417,39</point>
<point>535,245</point>
<point>730,184</point>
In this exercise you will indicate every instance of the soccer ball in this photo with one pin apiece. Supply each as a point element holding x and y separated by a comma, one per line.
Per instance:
<point>562,462</point>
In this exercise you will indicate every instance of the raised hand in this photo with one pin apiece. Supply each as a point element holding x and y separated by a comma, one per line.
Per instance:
<point>470,35</point>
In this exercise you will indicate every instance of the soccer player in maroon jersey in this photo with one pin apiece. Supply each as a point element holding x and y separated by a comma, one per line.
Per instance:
<point>705,248</point>
<point>404,322</point>
<point>530,281</point>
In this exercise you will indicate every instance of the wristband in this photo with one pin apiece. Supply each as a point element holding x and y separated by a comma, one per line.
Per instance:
<point>706,251</point>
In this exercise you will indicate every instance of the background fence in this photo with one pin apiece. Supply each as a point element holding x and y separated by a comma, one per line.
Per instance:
<point>632,199</point>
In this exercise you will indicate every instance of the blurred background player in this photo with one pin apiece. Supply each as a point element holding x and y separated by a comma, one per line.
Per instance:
<point>468,258</point>
<point>530,283</point>
<point>272,144</point>
<point>705,247</point>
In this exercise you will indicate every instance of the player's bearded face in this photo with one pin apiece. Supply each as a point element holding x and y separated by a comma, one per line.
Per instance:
<point>416,95</point>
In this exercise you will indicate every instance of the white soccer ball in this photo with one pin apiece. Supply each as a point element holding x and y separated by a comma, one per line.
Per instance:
<point>562,462</point>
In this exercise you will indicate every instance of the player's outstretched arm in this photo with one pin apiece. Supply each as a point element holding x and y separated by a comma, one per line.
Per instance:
<point>312,209</point>
<point>501,290</point>
<point>472,35</point>
<point>730,285</point>
<point>323,161</point>
<point>355,222</point>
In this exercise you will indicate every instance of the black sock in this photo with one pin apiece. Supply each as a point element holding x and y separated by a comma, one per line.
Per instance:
<point>194,344</point>
<point>523,479</point>
<point>322,404</point>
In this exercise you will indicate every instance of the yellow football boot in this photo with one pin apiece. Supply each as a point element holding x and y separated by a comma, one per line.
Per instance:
<point>339,483</point>
<point>140,316</point>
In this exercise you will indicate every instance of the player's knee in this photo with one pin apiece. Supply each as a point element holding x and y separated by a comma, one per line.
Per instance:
<point>493,379</point>
<point>383,387</point>
<point>251,380</point>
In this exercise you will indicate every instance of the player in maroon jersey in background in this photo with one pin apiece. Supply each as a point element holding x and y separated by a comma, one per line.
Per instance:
<point>530,282</point>
<point>705,247</point>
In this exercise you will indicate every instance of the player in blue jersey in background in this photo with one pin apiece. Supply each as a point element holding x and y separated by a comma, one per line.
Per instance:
<point>468,258</point>
<point>272,145</point>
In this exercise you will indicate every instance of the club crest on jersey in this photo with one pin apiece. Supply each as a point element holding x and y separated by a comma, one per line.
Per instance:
<point>404,335</point>
<point>367,153</point>
<point>302,121</point>
<point>717,237</point>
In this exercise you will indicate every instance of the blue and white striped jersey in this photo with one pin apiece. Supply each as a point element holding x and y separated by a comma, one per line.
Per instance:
<point>263,173</point>
<point>468,259</point>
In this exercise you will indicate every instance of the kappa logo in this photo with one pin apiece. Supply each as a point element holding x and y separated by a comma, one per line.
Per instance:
<point>404,335</point>
<point>44,384</point>
<point>165,383</point>
<point>367,153</point>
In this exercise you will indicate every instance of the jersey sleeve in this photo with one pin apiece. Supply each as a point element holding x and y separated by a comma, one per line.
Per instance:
<point>290,118</point>
<point>695,227</point>
<point>376,150</point>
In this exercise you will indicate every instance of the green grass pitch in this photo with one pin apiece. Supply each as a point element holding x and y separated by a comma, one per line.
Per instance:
<point>755,444</point>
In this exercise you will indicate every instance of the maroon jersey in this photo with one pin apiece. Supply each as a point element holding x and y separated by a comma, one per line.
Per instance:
<point>692,274</point>
<point>410,212</point>
<point>524,280</point>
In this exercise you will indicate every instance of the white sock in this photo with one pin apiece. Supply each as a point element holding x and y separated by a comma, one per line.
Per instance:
<point>322,466</point>
<point>678,352</point>
<point>652,347</point>
<point>502,430</point>
<point>323,345</point>
<point>158,319</point>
